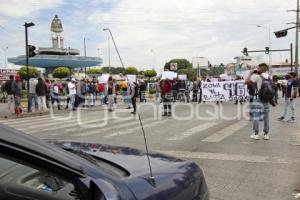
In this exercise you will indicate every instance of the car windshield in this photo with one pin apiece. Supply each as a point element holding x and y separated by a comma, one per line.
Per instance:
<point>211,82</point>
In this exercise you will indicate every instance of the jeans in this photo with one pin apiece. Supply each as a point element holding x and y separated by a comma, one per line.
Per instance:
<point>259,109</point>
<point>111,106</point>
<point>289,104</point>
<point>55,98</point>
<point>33,97</point>
<point>167,100</point>
<point>72,101</point>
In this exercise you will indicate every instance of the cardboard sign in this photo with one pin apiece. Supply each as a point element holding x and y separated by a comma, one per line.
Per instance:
<point>182,77</point>
<point>103,78</point>
<point>173,66</point>
<point>168,75</point>
<point>131,78</point>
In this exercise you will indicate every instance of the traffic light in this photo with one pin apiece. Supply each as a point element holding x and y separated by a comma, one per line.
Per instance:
<point>31,50</point>
<point>245,51</point>
<point>281,33</point>
<point>267,50</point>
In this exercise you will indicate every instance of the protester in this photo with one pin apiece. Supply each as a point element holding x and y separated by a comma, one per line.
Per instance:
<point>142,90</point>
<point>260,101</point>
<point>110,92</point>
<point>72,94</point>
<point>290,95</point>
<point>41,92</point>
<point>195,91</point>
<point>166,93</point>
<point>48,95</point>
<point>134,95</point>
<point>18,95</point>
<point>32,94</point>
<point>175,90</point>
<point>9,89</point>
<point>55,95</point>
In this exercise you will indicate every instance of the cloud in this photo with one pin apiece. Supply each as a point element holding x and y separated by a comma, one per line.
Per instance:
<point>216,29</point>
<point>19,8</point>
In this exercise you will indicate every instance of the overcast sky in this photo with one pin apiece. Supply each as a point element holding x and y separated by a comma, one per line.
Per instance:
<point>144,29</point>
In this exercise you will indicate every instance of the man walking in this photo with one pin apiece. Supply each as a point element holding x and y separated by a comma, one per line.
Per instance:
<point>72,94</point>
<point>32,94</point>
<point>261,100</point>
<point>290,95</point>
<point>41,92</point>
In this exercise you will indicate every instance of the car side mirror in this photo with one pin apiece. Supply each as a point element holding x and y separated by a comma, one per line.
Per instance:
<point>102,190</point>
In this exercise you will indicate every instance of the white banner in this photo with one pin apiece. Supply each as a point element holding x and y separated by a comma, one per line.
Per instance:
<point>224,91</point>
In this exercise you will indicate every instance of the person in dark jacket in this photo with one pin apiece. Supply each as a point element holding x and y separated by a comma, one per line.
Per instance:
<point>134,94</point>
<point>9,89</point>
<point>17,95</point>
<point>41,92</point>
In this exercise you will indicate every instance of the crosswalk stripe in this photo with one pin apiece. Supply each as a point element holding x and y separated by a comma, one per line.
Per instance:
<point>192,131</point>
<point>74,123</point>
<point>25,120</point>
<point>226,132</point>
<point>103,130</point>
<point>132,130</point>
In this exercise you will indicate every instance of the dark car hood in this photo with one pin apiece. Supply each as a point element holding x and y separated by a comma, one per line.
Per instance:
<point>132,160</point>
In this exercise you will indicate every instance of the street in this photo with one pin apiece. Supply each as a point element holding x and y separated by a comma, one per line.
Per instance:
<point>235,166</point>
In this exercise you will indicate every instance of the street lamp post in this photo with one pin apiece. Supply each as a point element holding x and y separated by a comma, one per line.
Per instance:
<point>153,58</point>
<point>107,29</point>
<point>27,25</point>
<point>5,56</point>
<point>84,48</point>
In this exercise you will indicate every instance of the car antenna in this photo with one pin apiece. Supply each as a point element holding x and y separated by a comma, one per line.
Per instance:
<point>150,179</point>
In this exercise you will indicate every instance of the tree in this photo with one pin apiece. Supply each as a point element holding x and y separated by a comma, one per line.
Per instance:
<point>33,72</point>
<point>181,64</point>
<point>131,70</point>
<point>94,71</point>
<point>190,72</point>
<point>150,73</point>
<point>61,72</point>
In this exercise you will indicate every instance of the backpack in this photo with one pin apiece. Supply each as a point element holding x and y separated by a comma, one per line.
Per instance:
<point>267,90</point>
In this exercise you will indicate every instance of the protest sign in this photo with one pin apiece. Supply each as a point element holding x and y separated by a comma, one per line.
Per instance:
<point>224,91</point>
<point>103,78</point>
<point>182,77</point>
<point>131,78</point>
<point>168,75</point>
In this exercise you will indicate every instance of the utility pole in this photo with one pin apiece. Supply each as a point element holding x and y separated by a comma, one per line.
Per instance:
<point>108,45</point>
<point>84,46</point>
<point>297,38</point>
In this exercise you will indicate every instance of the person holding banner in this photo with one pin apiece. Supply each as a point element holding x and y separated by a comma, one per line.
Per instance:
<point>110,92</point>
<point>260,105</point>
<point>166,94</point>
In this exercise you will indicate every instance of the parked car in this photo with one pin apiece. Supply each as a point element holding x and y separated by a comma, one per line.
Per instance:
<point>31,168</point>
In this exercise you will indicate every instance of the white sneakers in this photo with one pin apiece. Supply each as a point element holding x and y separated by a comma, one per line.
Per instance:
<point>256,137</point>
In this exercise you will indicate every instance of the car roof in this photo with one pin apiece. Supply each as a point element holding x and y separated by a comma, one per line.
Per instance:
<point>29,143</point>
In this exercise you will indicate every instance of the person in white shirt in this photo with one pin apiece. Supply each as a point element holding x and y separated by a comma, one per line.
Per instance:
<point>258,107</point>
<point>72,93</point>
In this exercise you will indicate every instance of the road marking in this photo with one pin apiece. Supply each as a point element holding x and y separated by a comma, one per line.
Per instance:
<point>193,131</point>
<point>226,132</point>
<point>132,130</point>
<point>25,120</point>
<point>103,130</point>
<point>228,157</point>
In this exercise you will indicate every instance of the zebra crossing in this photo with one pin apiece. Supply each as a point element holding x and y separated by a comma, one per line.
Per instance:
<point>110,127</point>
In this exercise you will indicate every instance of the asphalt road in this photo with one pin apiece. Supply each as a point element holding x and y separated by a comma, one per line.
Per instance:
<point>216,137</point>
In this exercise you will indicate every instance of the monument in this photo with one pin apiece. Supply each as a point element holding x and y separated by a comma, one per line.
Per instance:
<point>57,55</point>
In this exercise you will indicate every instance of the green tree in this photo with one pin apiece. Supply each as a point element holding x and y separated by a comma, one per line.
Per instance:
<point>94,71</point>
<point>33,72</point>
<point>61,72</point>
<point>190,72</point>
<point>118,70</point>
<point>150,73</point>
<point>181,64</point>
<point>131,70</point>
